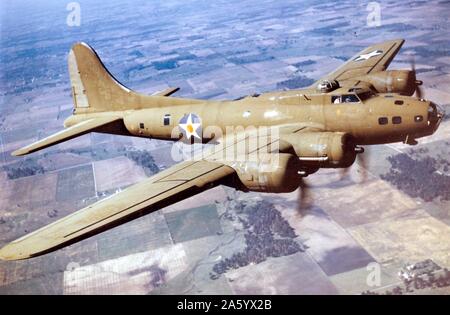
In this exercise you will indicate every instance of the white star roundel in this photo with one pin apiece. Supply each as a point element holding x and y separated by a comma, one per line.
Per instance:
<point>368,55</point>
<point>191,125</point>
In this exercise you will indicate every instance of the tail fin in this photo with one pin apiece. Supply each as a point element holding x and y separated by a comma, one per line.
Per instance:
<point>94,89</point>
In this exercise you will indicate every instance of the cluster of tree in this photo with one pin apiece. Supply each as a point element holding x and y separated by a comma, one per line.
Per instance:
<point>431,281</point>
<point>28,167</point>
<point>268,234</point>
<point>296,82</point>
<point>420,177</point>
<point>144,159</point>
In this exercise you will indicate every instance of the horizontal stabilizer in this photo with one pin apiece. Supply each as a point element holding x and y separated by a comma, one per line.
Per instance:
<point>66,134</point>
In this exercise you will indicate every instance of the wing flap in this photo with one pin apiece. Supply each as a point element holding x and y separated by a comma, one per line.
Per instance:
<point>169,186</point>
<point>66,134</point>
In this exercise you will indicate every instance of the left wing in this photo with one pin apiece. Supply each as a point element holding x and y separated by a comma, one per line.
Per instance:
<point>372,59</point>
<point>169,186</point>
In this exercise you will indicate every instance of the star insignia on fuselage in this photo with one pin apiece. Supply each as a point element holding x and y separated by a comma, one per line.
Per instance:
<point>368,55</point>
<point>191,125</point>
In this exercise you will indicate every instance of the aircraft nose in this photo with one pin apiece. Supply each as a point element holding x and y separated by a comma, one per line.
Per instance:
<point>435,116</point>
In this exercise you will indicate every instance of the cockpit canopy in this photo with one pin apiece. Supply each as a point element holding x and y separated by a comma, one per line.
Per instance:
<point>345,98</point>
<point>352,95</point>
<point>326,86</point>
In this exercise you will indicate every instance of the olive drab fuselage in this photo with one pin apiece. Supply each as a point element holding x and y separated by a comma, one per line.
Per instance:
<point>373,120</point>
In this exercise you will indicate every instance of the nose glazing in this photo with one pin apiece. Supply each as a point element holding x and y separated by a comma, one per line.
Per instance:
<point>435,115</point>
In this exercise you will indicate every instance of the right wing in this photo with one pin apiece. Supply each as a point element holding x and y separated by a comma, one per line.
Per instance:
<point>169,186</point>
<point>371,59</point>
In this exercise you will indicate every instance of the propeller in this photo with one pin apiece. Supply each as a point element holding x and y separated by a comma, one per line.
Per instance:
<point>304,197</point>
<point>362,159</point>
<point>417,83</point>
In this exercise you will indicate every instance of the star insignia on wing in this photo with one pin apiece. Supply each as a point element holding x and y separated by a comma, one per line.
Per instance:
<point>368,55</point>
<point>191,125</point>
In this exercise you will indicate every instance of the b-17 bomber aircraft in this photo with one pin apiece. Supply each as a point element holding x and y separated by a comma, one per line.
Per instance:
<point>322,126</point>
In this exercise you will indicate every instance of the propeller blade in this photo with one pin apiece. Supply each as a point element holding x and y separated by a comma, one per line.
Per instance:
<point>363,162</point>
<point>413,64</point>
<point>304,197</point>
<point>344,172</point>
<point>419,93</point>
<point>417,83</point>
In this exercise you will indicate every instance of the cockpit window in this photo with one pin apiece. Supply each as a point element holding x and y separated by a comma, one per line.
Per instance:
<point>335,99</point>
<point>346,98</point>
<point>365,95</point>
<point>350,98</point>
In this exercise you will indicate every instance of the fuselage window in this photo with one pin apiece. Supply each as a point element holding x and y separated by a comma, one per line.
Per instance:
<point>396,120</point>
<point>166,119</point>
<point>141,125</point>
<point>383,120</point>
<point>398,102</point>
<point>418,118</point>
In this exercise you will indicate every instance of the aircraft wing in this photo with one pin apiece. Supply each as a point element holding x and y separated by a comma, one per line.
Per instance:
<point>66,134</point>
<point>372,59</point>
<point>169,186</point>
<point>174,184</point>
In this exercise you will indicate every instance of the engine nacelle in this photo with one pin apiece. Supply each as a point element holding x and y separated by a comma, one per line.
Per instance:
<point>276,173</point>
<point>393,81</point>
<point>321,149</point>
